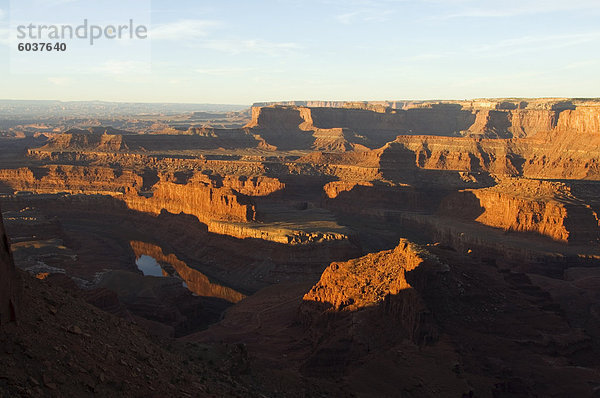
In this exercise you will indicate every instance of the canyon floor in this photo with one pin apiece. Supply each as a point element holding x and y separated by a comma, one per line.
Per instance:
<point>389,249</point>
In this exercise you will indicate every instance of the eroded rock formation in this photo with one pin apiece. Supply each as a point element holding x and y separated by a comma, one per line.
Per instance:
<point>196,199</point>
<point>358,283</point>
<point>72,179</point>
<point>368,304</point>
<point>544,207</point>
<point>375,282</point>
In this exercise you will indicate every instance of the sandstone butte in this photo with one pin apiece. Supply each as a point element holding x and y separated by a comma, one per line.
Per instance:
<point>301,225</point>
<point>376,282</point>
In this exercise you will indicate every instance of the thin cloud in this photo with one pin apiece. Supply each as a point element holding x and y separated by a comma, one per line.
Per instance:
<point>353,17</point>
<point>514,46</point>
<point>582,64</point>
<point>200,31</point>
<point>347,18</point>
<point>222,71</point>
<point>535,44</point>
<point>426,56</point>
<point>509,47</point>
<point>513,8</point>
<point>59,81</point>
<point>363,11</point>
<point>256,46</point>
<point>4,33</point>
<point>116,67</point>
<point>4,37</point>
<point>53,3</point>
<point>182,30</point>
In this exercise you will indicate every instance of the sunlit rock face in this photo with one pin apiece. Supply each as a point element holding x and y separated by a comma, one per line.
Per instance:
<point>366,281</point>
<point>382,282</point>
<point>374,302</point>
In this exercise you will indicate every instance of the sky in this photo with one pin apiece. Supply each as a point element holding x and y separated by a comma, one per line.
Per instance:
<point>240,52</point>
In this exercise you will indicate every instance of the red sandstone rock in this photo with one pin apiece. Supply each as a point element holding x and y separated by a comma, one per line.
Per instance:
<point>196,199</point>
<point>367,281</point>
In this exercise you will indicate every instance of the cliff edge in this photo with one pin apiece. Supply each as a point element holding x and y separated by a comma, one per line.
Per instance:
<point>10,284</point>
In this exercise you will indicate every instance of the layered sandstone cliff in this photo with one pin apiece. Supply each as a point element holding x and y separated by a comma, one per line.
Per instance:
<point>553,138</point>
<point>81,141</point>
<point>245,185</point>
<point>455,154</point>
<point>196,199</point>
<point>192,139</point>
<point>211,197</point>
<point>71,179</point>
<point>351,125</point>
<point>543,207</point>
<point>557,154</point>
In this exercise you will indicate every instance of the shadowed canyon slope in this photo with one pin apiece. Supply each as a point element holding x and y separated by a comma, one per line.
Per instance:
<point>9,282</point>
<point>437,248</point>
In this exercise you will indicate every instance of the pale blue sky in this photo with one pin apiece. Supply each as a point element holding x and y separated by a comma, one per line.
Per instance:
<point>240,52</point>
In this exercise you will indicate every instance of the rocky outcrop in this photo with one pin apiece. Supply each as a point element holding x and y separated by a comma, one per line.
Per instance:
<point>570,151</point>
<point>191,139</point>
<point>375,282</point>
<point>71,179</point>
<point>196,199</point>
<point>455,154</point>
<point>9,281</point>
<point>284,128</point>
<point>366,281</point>
<point>542,207</point>
<point>250,186</point>
<point>245,185</point>
<point>367,304</point>
<point>85,141</point>
<point>583,120</point>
